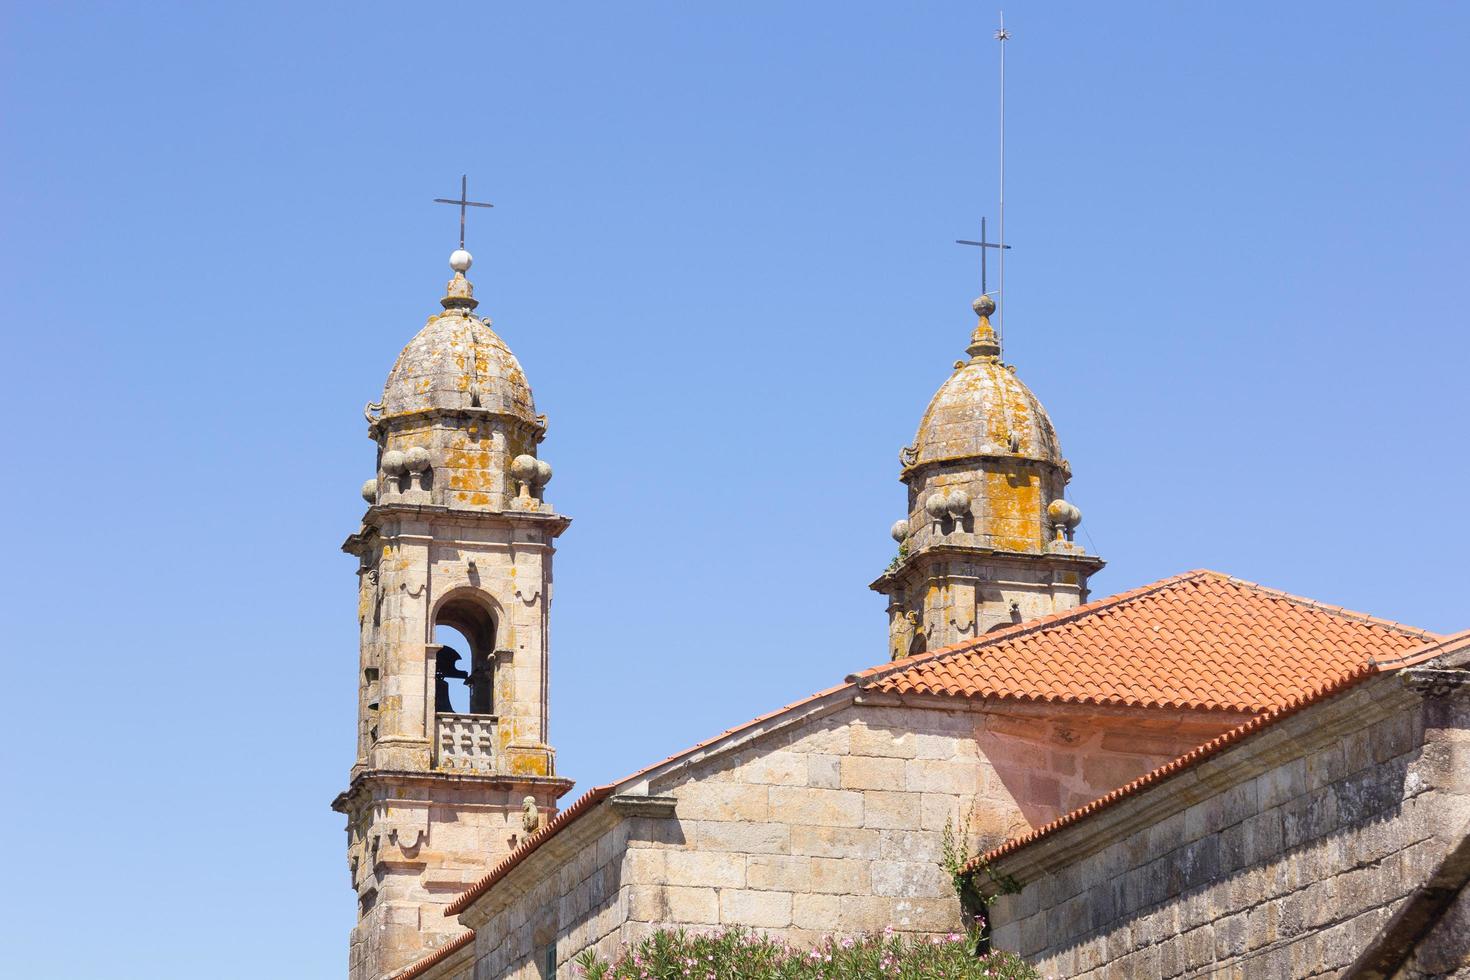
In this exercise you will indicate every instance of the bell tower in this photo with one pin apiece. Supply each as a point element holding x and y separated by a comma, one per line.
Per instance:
<point>458,534</point>
<point>988,537</point>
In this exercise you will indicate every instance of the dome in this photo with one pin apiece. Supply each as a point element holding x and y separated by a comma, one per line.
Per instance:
<point>984,410</point>
<point>458,362</point>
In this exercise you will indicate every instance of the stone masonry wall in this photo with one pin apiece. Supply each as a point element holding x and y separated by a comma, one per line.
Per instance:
<point>831,824</point>
<point>577,901</point>
<point>1281,857</point>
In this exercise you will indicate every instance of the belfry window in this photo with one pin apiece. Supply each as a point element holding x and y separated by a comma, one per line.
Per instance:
<point>464,667</point>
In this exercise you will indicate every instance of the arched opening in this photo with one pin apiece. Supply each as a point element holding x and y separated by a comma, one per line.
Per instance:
<point>464,671</point>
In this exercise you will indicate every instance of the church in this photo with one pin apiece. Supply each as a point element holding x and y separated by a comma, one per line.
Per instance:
<point>1200,776</point>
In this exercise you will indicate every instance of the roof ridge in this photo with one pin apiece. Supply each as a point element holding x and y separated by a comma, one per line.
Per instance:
<point>1341,612</point>
<point>863,677</point>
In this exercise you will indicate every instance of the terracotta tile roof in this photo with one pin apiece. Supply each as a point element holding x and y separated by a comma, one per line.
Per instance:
<point>420,967</point>
<point>1201,640</point>
<point>1417,655</point>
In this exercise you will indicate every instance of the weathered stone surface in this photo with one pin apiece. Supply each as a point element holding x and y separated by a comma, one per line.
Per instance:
<point>757,909</point>
<point>1283,856</point>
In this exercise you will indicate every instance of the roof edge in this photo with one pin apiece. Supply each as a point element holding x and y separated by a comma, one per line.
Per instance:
<point>420,967</point>
<point>597,794</point>
<point>1428,651</point>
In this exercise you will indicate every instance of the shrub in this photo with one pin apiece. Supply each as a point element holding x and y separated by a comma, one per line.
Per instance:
<point>737,954</point>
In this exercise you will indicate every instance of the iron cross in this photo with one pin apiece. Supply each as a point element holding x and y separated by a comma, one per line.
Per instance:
<point>465,202</point>
<point>982,244</point>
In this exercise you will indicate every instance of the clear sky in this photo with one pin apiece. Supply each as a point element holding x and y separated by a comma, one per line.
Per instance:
<point>722,249</point>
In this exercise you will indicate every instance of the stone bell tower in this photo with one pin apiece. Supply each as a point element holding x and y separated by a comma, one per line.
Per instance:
<point>988,537</point>
<point>457,533</point>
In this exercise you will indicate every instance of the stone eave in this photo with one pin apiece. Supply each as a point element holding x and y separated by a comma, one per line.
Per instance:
<point>406,777</point>
<point>536,425</point>
<point>919,466</point>
<point>883,583</point>
<point>1174,788</point>
<point>557,523</point>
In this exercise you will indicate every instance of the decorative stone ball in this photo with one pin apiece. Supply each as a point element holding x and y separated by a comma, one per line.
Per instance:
<point>900,530</point>
<point>393,462</point>
<point>460,260</point>
<point>935,505</point>
<point>957,502</point>
<point>983,305</point>
<point>1062,512</point>
<point>370,491</point>
<point>417,459</point>
<point>523,468</point>
<point>543,473</point>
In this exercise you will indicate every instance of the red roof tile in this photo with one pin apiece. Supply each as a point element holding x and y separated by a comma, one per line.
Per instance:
<point>1417,655</point>
<point>1201,640</point>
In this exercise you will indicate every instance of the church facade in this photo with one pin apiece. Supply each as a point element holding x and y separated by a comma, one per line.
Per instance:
<point>1054,732</point>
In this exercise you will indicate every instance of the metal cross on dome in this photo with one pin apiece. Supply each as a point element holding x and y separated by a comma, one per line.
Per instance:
<point>982,244</point>
<point>465,202</point>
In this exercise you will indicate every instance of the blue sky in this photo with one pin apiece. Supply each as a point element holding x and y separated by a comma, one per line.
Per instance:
<point>722,249</point>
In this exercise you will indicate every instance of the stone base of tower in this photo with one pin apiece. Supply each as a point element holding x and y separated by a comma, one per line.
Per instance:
<point>417,840</point>
<point>949,594</point>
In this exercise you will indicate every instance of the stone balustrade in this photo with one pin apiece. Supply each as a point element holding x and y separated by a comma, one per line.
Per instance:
<point>465,742</point>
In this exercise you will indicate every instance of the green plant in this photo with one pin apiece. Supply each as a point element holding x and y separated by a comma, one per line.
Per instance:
<point>738,954</point>
<point>954,856</point>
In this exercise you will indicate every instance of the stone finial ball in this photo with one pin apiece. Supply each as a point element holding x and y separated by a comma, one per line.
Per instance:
<point>370,491</point>
<point>393,462</point>
<point>957,502</point>
<point>983,305</point>
<point>543,473</point>
<point>417,459</point>
<point>460,260</point>
<point>1062,512</point>
<point>935,504</point>
<point>523,468</point>
<point>899,530</point>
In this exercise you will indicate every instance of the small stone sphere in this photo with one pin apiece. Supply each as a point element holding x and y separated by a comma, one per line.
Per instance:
<point>460,260</point>
<point>899,530</point>
<point>935,505</point>
<point>523,468</point>
<point>393,462</point>
<point>983,305</point>
<point>543,472</point>
<point>417,459</point>
<point>1062,512</point>
<point>370,491</point>
<point>957,502</point>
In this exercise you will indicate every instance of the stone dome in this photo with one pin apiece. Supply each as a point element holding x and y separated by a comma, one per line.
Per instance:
<point>458,362</point>
<point>984,410</point>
